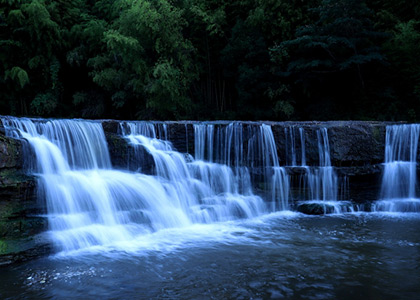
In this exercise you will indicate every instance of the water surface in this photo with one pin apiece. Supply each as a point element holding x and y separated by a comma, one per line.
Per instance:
<point>283,255</point>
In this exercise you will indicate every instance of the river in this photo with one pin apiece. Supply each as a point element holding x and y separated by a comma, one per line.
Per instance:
<point>283,255</point>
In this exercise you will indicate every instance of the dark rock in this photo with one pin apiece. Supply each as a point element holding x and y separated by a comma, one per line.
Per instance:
<point>10,153</point>
<point>14,185</point>
<point>352,143</point>
<point>19,208</point>
<point>313,208</point>
<point>368,169</point>
<point>20,250</point>
<point>181,135</point>
<point>321,208</point>
<point>364,188</point>
<point>111,126</point>
<point>125,156</point>
<point>357,144</point>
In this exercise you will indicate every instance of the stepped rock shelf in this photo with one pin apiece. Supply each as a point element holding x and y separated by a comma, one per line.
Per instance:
<point>203,172</point>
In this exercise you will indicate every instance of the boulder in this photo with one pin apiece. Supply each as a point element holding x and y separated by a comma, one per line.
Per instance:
<point>125,156</point>
<point>324,207</point>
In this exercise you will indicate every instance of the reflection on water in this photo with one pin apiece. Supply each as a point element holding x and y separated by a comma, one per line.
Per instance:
<point>283,255</point>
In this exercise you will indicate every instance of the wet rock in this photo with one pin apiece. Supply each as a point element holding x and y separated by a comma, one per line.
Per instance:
<point>125,156</point>
<point>16,186</point>
<point>352,143</point>
<point>16,251</point>
<point>10,153</point>
<point>111,126</point>
<point>357,143</point>
<point>20,219</point>
<point>181,135</point>
<point>323,207</point>
<point>313,209</point>
<point>354,171</point>
<point>20,211</point>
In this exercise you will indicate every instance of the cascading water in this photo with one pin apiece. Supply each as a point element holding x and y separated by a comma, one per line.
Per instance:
<point>321,182</point>
<point>279,180</point>
<point>90,204</point>
<point>289,133</point>
<point>398,191</point>
<point>302,143</point>
<point>209,189</point>
<point>226,145</point>
<point>293,142</point>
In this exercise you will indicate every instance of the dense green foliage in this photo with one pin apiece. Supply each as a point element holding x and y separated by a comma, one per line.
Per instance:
<point>211,59</point>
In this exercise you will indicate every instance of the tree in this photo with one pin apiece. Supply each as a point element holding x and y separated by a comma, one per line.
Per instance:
<point>403,49</point>
<point>327,59</point>
<point>146,62</point>
<point>29,62</point>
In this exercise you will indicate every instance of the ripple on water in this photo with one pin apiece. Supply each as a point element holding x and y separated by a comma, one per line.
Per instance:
<point>280,255</point>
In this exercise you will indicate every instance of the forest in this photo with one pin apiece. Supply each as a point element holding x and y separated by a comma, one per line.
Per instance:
<point>211,59</point>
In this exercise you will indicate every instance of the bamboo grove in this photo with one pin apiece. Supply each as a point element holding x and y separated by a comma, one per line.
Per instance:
<point>211,59</point>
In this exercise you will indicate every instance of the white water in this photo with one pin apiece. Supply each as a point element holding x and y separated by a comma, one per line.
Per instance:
<point>279,179</point>
<point>225,145</point>
<point>90,204</point>
<point>320,184</point>
<point>321,181</point>
<point>398,191</point>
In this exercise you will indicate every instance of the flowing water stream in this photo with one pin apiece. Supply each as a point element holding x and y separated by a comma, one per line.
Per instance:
<point>398,191</point>
<point>200,227</point>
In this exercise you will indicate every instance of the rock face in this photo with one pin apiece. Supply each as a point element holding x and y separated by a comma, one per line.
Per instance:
<point>356,149</point>
<point>352,143</point>
<point>19,209</point>
<point>126,157</point>
<point>10,153</point>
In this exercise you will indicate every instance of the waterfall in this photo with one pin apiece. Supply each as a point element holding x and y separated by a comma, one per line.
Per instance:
<point>320,181</point>
<point>232,168</point>
<point>90,204</point>
<point>320,184</point>
<point>398,190</point>
<point>279,178</point>
<point>226,145</point>
<point>204,138</point>
<point>295,138</point>
<point>54,143</point>
<point>323,180</point>
<point>289,133</point>
<point>302,143</point>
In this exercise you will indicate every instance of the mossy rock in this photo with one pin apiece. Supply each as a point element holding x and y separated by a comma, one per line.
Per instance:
<point>19,250</point>
<point>16,186</point>
<point>10,153</point>
<point>14,177</point>
<point>15,226</point>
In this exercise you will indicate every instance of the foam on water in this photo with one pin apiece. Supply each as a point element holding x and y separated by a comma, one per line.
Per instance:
<point>92,205</point>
